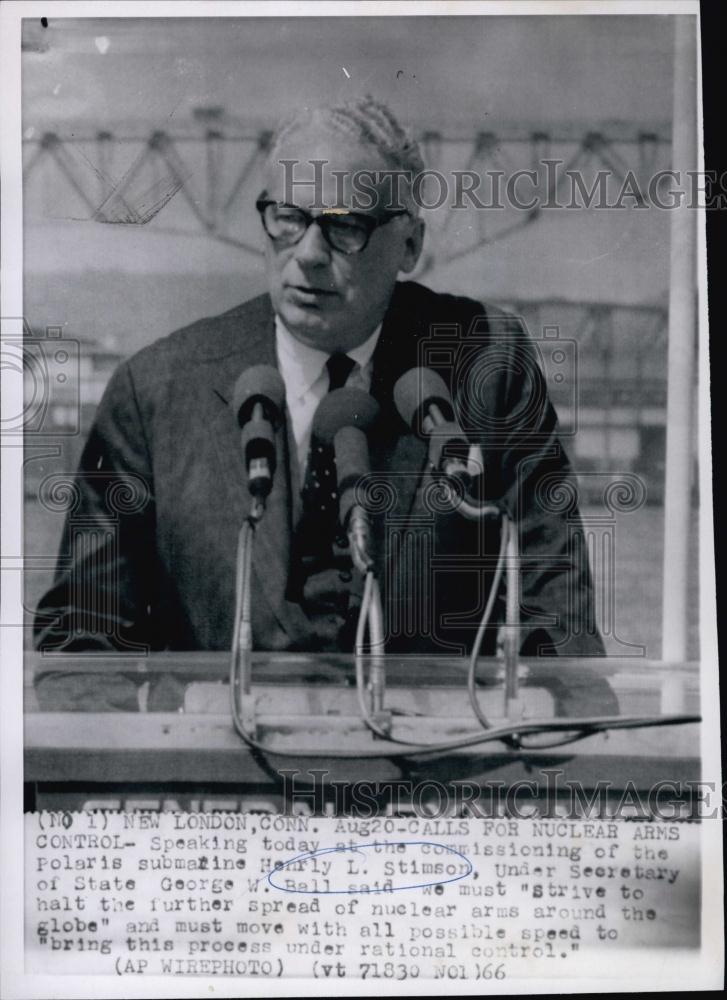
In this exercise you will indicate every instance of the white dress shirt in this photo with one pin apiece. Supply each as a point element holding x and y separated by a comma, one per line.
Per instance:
<point>306,381</point>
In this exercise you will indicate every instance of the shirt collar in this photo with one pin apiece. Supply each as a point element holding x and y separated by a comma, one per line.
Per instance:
<point>306,364</point>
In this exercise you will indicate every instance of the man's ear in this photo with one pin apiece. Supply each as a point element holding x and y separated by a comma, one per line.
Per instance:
<point>413,245</point>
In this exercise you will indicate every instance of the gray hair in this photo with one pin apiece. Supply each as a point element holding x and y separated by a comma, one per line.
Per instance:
<point>364,120</point>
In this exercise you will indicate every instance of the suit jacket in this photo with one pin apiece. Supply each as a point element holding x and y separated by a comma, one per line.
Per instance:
<point>148,553</point>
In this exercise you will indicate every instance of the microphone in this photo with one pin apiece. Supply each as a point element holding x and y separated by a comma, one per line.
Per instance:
<point>257,402</point>
<point>341,420</point>
<point>425,404</point>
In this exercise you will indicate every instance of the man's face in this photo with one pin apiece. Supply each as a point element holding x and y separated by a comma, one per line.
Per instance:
<point>325,298</point>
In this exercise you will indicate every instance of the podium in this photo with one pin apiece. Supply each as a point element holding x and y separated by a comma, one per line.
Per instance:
<point>307,711</point>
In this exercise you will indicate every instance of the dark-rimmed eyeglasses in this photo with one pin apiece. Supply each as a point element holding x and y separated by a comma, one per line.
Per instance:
<point>347,232</point>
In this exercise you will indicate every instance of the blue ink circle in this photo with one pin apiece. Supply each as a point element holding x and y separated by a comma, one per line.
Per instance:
<point>359,849</point>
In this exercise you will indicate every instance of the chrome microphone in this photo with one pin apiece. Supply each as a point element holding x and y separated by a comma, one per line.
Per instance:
<point>342,420</point>
<point>424,403</point>
<point>258,402</point>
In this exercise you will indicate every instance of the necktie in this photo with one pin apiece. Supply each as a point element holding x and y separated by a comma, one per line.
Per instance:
<point>321,573</point>
<point>320,496</point>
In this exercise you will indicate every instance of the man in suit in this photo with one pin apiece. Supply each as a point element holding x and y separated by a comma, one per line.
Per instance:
<point>148,554</point>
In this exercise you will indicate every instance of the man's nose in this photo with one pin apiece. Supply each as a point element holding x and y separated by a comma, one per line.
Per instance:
<point>312,249</point>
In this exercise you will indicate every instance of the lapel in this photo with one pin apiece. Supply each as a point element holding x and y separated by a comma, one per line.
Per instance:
<point>396,454</point>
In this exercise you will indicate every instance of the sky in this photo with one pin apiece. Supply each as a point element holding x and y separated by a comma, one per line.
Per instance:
<point>440,71</point>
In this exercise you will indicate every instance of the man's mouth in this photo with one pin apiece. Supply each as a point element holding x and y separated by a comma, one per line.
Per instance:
<point>309,294</point>
<point>311,290</point>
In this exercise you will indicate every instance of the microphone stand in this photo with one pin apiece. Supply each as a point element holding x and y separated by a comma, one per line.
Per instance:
<point>376,717</point>
<point>435,425</point>
<point>242,701</point>
<point>371,617</point>
<point>511,640</point>
<point>377,675</point>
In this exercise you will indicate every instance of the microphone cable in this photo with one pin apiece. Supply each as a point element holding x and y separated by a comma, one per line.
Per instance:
<point>484,622</point>
<point>578,727</point>
<point>574,728</point>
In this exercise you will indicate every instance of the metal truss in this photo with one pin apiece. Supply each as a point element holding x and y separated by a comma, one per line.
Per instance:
<point>214,165</point>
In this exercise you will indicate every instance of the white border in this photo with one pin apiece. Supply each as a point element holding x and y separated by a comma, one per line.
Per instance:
<point>650,971</point>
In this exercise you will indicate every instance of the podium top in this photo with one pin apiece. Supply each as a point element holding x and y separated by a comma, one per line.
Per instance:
<point>175,724</point>
<point>291,668</point>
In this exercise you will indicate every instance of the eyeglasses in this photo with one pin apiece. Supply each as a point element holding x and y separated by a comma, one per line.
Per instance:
<point>347,232</point>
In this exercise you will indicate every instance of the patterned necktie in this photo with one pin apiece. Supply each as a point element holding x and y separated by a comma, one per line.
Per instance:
<point>320,495</point>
